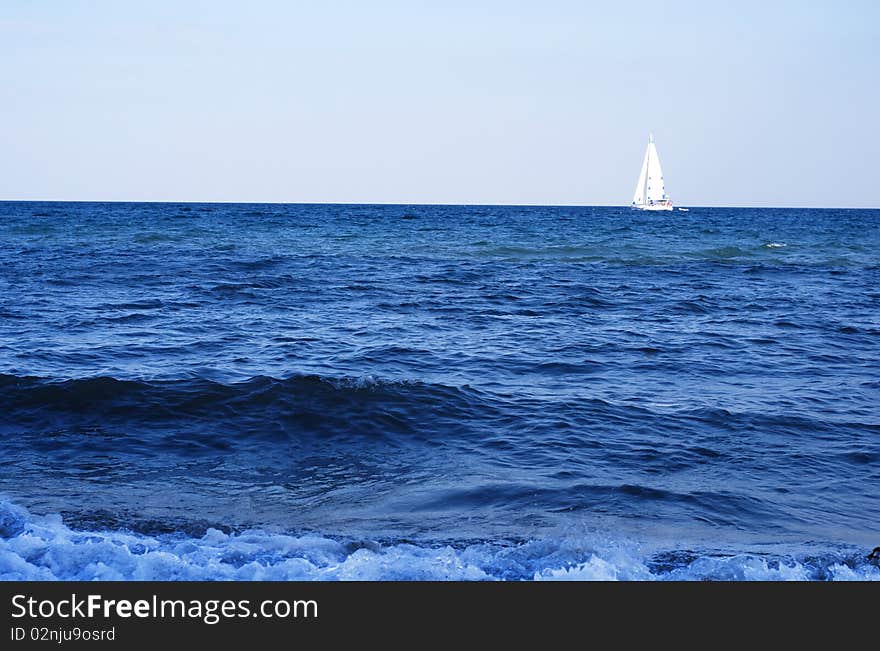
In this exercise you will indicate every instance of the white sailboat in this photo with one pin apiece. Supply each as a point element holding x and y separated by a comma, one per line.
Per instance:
<point>650,191</point>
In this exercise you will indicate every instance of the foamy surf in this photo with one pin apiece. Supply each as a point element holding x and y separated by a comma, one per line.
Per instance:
<point>44,548</point>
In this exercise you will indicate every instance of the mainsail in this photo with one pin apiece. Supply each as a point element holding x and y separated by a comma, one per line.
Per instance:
<point>650,190</point>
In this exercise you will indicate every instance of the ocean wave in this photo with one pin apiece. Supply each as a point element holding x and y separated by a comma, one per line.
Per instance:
<point>44,548</point>
<point>324,404</point>
<point>302,403</point>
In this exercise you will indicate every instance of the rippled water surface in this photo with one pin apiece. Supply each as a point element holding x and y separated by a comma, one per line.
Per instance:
<point>344,391</point>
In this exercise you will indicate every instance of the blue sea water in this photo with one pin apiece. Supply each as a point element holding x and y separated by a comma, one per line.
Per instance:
<point>252,391</point>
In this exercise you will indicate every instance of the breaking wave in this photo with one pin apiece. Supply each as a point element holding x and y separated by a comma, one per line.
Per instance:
<point>45,548</point>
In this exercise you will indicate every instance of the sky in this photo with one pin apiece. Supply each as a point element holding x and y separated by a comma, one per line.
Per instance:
<point>751,103</point>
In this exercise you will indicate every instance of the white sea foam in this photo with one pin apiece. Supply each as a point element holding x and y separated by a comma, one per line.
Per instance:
<point>774,245</point>
<point>45,548</point>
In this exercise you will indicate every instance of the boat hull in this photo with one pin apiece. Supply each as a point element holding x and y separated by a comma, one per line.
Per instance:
<point>654,207</point>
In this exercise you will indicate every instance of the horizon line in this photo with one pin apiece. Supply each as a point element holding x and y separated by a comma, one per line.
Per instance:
<point>389,203</point>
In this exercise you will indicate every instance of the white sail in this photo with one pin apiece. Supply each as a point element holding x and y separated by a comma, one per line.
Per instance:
<point>655,189</point>
<point>639,197</point>
<point>650,191</point>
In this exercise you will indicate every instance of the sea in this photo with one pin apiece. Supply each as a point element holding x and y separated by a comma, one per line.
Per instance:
<point>199,391</point>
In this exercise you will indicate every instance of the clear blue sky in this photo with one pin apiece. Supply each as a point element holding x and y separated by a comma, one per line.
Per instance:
<point>751,103</point>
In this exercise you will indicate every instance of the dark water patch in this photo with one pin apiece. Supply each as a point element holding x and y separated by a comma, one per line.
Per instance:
<point>691,307</point>
<point>722,253</point>
<point>153,238</point>
<point>64,282</point>
<point>862,457</point>
<point>787,324</point>
<point>308,405</point>
<point>143,304</point>
<point>259,263</point>
<point>37,229</point>
<point>720,508</point>
<point>582,367</point>
<point>136,317</point>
